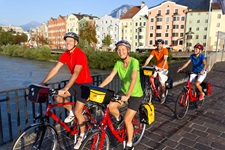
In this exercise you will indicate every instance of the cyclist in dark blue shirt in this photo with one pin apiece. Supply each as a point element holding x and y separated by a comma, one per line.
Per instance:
<point>199,67</point>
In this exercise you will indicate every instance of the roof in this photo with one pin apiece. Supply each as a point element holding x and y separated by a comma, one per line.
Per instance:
<point>194,4</point>
<point>131,12</point>
<point>216,6</point>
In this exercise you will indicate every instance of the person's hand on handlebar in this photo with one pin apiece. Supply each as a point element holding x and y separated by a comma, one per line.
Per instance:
<point>179,70</point>
<point>62,92</point>
<point>124,98</point>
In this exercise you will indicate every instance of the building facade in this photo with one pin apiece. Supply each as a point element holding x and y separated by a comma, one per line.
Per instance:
<point>56,31</point>
<point>107,25</point>
<point>167,21</point>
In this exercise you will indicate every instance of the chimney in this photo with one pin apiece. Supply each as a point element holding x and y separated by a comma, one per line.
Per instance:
<point>142,4</point>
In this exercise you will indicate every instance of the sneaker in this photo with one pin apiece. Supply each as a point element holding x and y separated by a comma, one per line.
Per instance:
<point>129,148</point>
<point>118,123</point>
<point>201,96</point>
<point>79,142</point>
<point>163,99</point>
<point>69,118</point>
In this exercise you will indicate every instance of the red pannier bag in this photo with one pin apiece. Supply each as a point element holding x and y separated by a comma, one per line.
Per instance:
<point>38,93</point>
<point>206,88</point>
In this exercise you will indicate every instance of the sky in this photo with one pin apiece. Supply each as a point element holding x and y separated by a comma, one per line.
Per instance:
<point>21,12</point>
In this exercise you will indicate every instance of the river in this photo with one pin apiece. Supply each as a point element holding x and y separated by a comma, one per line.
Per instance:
<point>19,72</point>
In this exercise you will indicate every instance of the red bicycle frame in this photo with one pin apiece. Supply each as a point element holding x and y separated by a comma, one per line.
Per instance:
<point>119,134</point>
<point>73,131</point>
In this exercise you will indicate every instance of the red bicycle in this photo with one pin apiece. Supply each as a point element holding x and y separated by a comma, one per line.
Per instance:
<point>99,140</point>
<point>150,90</point>
<point>188,95</point>
<point>42,135</point>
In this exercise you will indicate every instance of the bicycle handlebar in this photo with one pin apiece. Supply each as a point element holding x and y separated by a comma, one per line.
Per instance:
<point>188,72</point>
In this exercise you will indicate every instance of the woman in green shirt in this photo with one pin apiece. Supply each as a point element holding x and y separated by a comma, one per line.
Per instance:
<point>131,91</point>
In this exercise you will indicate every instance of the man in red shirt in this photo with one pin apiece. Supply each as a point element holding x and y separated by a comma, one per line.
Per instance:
<point>78,84</point>
<point>161,55</point>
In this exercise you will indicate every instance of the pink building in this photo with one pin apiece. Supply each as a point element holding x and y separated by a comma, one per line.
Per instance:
<point>167,21</point>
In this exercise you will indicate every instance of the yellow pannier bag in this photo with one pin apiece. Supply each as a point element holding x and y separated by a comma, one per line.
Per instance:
<point>148,71</point>
<point>100,95</point>
<point>147,113</point>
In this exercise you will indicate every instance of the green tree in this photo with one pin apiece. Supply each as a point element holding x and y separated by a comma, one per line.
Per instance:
<point>88,33</point>
<point>107,40</point>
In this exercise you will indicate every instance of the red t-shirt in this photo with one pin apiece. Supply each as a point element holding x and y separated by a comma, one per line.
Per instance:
<point>77,57</point>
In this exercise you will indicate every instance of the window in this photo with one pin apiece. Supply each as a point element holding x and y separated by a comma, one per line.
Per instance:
<point>197,28</point>
<point>159,19</point>
<point>167,26</point>
<point>180,42</point>
<point>174,42</point>
<point>205,28</point>
<point>176,18</point>
<point>151,35</point>
<point>159,12</point>
<point>175,26</point>
<point>166,42</point>
<point>166,34</point>
<point>176,11</point>
<point>206,20</point>
<point>150,42</point>
<point>158,34</point>
<point>196,37</point>
<point>152,19</point>
<point>158,27</point>
<point>198,21</point>
<point>151,27</point>
<point>182,18</point>
<point>218,25</point>
<point>181,34</point>
<point>167,11</point>
<point>182,26</point>
<point>174,34</point>
<point>204,37</point>
<point>218,16</point>
<point>167,19</point>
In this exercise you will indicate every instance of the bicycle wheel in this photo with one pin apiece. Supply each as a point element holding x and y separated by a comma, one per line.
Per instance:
<point>181,105</point>
<point>147,97</point>
<point>37,136</point>
<point>139,130</point>
<point>93,141</point>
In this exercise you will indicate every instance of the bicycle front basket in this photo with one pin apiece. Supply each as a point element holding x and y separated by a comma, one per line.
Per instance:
<point>38,93</point>
<point>100,95</point>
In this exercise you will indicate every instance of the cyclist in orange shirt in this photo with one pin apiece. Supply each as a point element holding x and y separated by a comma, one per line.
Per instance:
<point>161,56</point>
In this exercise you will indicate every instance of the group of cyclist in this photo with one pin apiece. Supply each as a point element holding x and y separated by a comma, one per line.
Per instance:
<point>128,70</point>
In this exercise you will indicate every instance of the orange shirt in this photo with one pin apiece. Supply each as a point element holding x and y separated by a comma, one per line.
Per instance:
<point>159,56</point>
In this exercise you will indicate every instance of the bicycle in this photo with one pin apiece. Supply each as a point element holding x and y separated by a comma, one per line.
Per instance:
<point>150,90</point>
<point>99,140</point>
<point>42,135</point>
<point>187,96</point>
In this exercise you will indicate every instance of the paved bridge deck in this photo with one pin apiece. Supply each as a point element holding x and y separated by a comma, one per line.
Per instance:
<point>202,129</point>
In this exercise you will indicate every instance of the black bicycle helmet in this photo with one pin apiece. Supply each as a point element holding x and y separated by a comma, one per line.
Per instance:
<point>159,41</point>
<point>123,42</point>
<point>72,35</point>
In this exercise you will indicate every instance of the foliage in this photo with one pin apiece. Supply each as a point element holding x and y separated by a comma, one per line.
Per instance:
<point>107,40</point>
<point>11,37</point>
<point>43,53</point>
<point>88,33</point>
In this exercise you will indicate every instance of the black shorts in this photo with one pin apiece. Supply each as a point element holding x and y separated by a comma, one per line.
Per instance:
<point>133,102</point>
<point>82,91</point>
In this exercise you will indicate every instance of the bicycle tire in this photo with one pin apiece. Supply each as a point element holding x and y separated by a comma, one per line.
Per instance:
<point>139,135</point>
<point>37,136</point>
<point>147,96</point>
<point>93,140</point>
<point>181,105</point>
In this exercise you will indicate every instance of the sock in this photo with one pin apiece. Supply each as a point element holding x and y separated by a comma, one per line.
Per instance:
<point>81,134</point>
<point>118,119</point>
<point>129,144</point>
<point>71,113</point>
